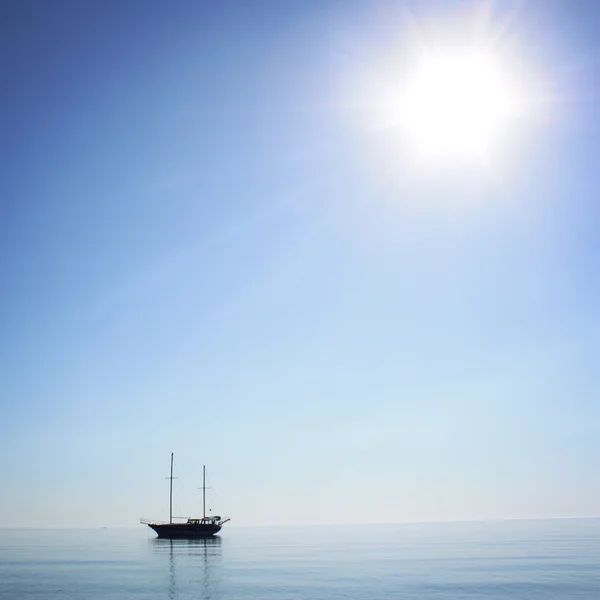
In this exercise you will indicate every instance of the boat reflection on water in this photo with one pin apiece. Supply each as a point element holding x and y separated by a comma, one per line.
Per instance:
<point>193,564</point>
<point>207,546</point>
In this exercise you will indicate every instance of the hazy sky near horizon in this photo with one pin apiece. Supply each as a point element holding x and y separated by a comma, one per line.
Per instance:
<point>210,246</point>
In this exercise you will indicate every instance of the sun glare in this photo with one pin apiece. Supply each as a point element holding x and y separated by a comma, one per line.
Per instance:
<point>457,104</point>
<point>448,92</point>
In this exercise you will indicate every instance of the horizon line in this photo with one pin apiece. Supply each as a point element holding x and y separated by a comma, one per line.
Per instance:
<point>378,523</point>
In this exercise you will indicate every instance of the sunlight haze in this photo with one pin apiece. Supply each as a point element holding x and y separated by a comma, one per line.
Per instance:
<point>344,254</point>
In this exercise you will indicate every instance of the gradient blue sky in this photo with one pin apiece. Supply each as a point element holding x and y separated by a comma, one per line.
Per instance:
<point>206,250</point>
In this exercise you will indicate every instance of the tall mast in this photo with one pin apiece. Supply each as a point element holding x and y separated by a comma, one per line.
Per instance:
<point>171,493</point>
<point>203,491</point>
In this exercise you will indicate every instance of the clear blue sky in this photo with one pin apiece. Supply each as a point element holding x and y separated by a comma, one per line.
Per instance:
<point>206,250</point>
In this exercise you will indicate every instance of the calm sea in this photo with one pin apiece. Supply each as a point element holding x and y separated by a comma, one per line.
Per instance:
<point>520,560</point>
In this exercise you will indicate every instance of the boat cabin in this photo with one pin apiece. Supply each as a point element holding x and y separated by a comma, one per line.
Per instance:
<point>204,521</point>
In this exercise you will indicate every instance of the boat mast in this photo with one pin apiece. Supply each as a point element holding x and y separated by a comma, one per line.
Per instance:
<point>203,491</point>
<point>171,493</point>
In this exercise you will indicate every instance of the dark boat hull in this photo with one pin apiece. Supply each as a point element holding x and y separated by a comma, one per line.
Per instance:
<point>185,530</point>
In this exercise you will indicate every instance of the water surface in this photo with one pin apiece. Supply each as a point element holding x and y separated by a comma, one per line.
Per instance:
<point>521,560</point>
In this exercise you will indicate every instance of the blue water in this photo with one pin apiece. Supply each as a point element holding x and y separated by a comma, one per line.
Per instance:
<point>520,560</point>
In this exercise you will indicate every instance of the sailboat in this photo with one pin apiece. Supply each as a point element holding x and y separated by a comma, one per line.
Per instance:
<point>194,527</point>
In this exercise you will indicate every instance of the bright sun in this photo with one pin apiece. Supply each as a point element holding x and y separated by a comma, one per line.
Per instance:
<point>456,104</point>
<point>448,91</point>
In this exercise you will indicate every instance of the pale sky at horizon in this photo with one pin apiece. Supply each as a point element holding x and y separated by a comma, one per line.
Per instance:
<point>212,246</point>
